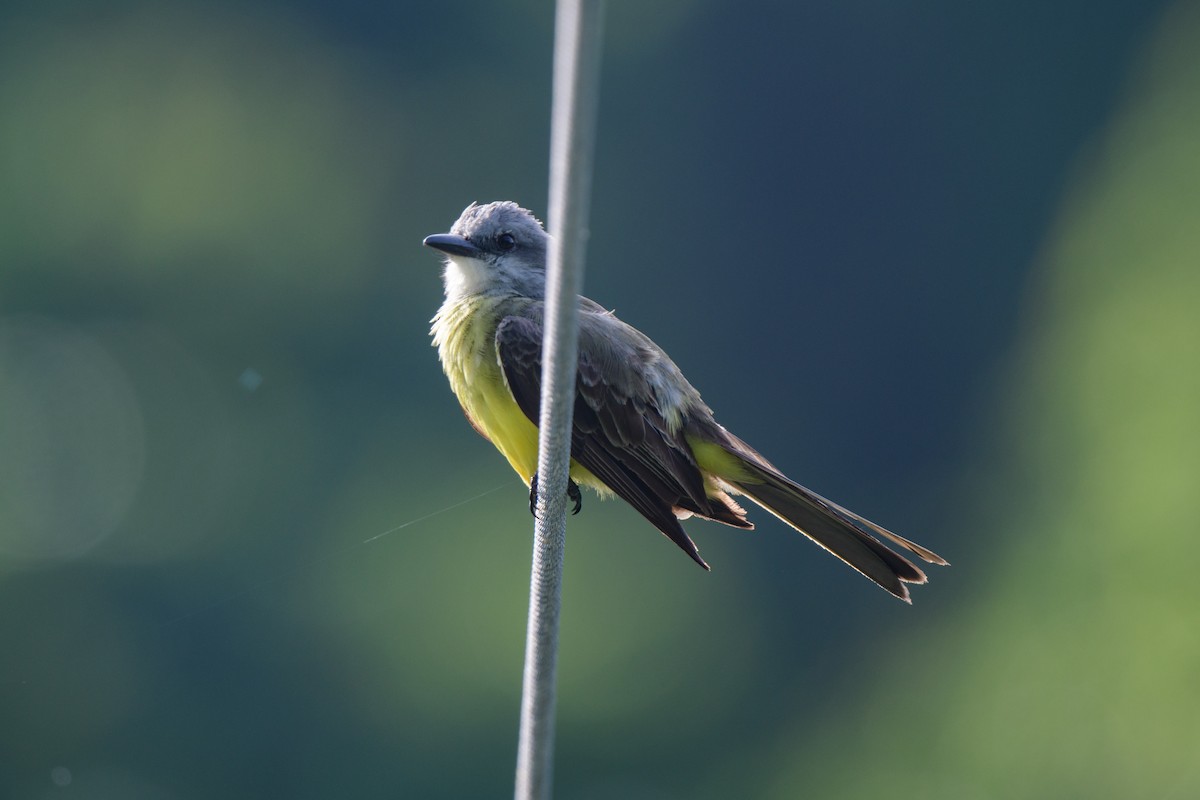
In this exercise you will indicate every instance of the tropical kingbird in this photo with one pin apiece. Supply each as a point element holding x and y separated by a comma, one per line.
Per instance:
<point>640,430</point>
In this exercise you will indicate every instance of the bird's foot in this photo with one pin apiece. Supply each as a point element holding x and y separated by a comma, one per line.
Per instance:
<point>573,494</point>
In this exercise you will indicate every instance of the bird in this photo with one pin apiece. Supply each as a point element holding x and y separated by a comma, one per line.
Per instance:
<point>640,430</point>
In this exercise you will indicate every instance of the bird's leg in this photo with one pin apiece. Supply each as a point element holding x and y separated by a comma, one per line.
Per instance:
<point>533,495</point>
<point>573,494</point>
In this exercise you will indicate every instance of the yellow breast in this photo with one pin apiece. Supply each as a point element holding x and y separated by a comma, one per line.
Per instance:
<point>464,333</point>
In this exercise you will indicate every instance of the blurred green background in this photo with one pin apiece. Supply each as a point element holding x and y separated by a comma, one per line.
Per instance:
<point>938,260</point>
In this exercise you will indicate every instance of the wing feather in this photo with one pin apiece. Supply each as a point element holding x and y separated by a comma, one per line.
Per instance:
<point>619,432</point>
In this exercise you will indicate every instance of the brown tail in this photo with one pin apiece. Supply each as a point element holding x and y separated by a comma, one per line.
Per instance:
<point>843,533</point>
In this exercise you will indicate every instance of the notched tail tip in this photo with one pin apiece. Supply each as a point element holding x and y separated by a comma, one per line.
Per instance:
<point>899,591</point>
<point>930,557</point>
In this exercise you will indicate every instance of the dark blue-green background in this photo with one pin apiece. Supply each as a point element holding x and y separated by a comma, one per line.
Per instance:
<point>936,260</point>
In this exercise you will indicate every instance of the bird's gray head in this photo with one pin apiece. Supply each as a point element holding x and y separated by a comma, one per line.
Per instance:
<point>498,248</point>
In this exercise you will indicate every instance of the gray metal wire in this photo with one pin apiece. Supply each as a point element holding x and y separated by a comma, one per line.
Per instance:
<point>577,41</point>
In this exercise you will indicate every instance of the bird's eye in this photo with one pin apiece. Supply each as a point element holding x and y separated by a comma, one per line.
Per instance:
<point>506,241</point>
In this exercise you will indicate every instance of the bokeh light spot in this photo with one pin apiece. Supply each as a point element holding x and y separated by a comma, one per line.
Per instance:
<point>71,440</point>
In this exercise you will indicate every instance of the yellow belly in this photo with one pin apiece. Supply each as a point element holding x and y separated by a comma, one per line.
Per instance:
<point>494,413</point>
<point>464,333</point>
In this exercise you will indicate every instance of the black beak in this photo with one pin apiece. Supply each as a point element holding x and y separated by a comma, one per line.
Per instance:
<point>453,245</point>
